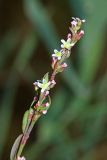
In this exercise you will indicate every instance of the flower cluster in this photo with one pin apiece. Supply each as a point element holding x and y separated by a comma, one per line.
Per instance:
<point>58,65</point>
<point>44,85</point>
<point>59,56</point>
<point>75,29</point>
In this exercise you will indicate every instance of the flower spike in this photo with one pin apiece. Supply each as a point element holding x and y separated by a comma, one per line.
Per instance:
<point>42,101</point>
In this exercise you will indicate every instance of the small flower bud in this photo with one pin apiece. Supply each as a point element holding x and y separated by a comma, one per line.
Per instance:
<point>69,35</point>
<point>47,104</point>
<point>35,98</point>
<point>36,105</point>
<point>44,112</point>
<point>80,34</point>
<point>46,93</point>
<point>64,65</point>
<point>83,21</point>
<point>74,23</point>
<point>52,83</point>
<point>21,158</point>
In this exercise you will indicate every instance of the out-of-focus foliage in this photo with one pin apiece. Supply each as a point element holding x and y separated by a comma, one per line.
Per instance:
<point>75,127</point>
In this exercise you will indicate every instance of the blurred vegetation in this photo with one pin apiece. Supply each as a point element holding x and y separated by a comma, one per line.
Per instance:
<point>75,127</point>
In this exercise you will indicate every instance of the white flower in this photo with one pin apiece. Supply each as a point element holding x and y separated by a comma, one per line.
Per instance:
<point>44,85</point>
<point>67,44</point>
<point>57,54</point>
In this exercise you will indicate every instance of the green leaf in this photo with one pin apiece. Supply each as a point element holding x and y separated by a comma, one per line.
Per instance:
<point>25,120</point>
<point>15,147</point>
<point>46,77</point>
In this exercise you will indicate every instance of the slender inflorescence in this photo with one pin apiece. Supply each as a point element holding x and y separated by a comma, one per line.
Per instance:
<point>42,100</point>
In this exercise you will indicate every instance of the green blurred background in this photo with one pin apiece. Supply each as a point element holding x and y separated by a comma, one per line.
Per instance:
<point>75,127</point>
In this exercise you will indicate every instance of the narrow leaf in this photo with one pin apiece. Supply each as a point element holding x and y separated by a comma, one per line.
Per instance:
<point>15,147</point>
<point>46,77</point>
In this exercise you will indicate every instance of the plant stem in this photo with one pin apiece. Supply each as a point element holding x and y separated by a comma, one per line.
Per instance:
<point>27,133</point>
